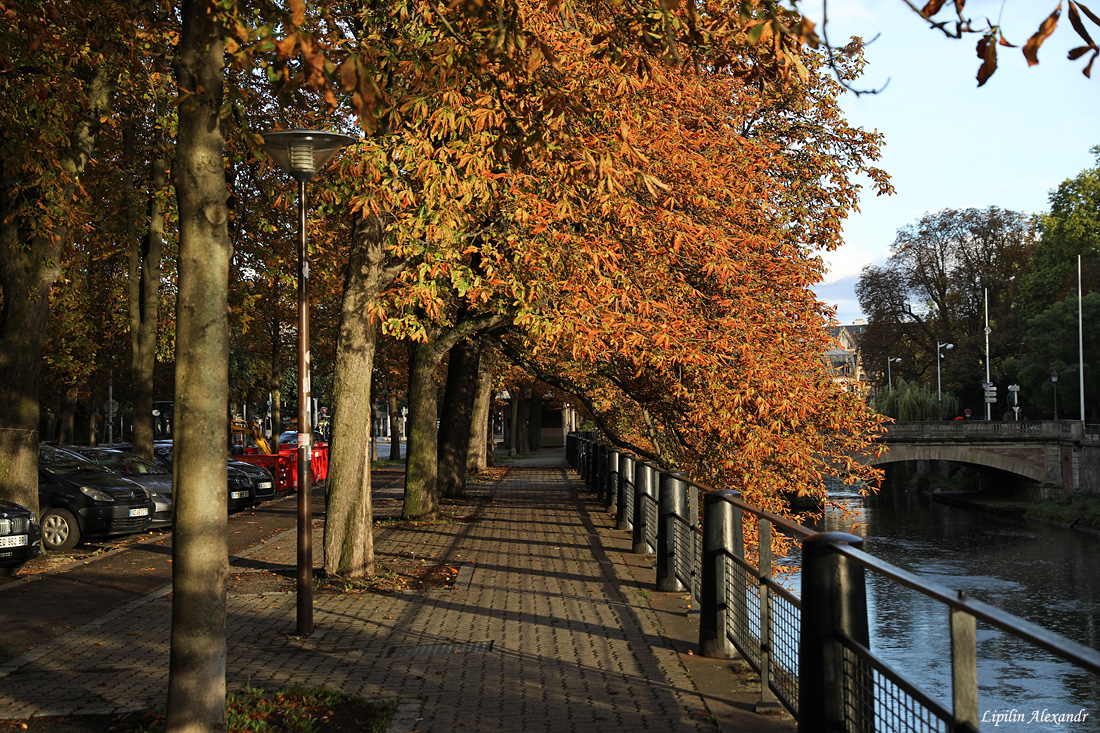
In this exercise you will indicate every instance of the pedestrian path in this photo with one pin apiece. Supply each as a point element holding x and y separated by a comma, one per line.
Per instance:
<point>545,629</point>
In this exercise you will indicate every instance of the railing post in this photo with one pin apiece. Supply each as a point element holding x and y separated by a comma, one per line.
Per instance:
<point>834,603</point>
<point>644,492</point>
<point>601,470</point>
<point>672,510</point>
<point>768,700</point>
<point>722,536</point>
<point>611,484</point>
<point>964,666</point>
<point>625,498</point>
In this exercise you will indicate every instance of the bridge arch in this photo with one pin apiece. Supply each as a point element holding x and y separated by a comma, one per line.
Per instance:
<point>965,454</point>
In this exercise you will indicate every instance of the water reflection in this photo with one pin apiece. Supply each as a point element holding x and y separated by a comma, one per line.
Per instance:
<point>1045,574</point>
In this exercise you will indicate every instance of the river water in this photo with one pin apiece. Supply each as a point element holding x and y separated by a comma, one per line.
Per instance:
<point>1045,574</point>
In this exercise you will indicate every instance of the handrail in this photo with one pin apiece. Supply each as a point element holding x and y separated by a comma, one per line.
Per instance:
<point>1068,649</point>
<point>741,605</point>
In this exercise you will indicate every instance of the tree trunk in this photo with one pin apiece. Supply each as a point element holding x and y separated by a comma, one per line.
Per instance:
<point>29,265</point>
<point>523,432</point>
<point>513,422</point>
<point>490,448</point>
<point>395,434</point>
<point>144,294</point>
<point>534,423</point>
<point>421,490</point>
<point>196,682</point>
<point>348,541</point>
<point>456,417</point>
<point>68,418</point>
<point>477,457</point>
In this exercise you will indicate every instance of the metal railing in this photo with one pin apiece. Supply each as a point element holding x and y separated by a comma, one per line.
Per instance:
<point>985,430</point>
<point>813,651</point>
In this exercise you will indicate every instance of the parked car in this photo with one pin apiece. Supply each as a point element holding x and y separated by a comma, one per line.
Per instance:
<point>79,500</point>
<point>20,537</point>
<point>241,493</point>
<point>153,477</point>
<point>290,438</point>
<point>263,485</point>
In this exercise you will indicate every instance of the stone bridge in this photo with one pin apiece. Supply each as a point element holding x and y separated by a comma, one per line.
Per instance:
<point>1046,457</point>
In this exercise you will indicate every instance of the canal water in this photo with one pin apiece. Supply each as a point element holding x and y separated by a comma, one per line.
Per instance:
<point>1045,574</point>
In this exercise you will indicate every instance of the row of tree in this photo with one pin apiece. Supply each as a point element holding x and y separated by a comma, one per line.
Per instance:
<point>943,271</point>
<point>622,199</point>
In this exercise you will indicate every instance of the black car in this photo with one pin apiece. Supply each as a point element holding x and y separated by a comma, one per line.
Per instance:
<point>20,537</point>
<point>241,493</point>
<point>150,475</point>
<point>263,485</point>
<point>79,499</point>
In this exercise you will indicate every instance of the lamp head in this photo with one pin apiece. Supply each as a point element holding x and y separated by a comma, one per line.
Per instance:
<point>303,153</point>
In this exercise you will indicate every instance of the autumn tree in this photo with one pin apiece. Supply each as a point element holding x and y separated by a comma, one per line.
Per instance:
<point>56,92</point>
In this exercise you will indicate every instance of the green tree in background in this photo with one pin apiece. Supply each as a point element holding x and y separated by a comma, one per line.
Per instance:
<point>932,290</point>
<point>914,401</point>
<point>1071,228</point>
<point>1051,345</point>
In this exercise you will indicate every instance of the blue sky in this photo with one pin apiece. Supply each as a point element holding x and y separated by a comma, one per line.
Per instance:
<point>950,144</point>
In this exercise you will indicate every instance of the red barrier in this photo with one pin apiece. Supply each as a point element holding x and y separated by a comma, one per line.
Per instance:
<point>284,466</point>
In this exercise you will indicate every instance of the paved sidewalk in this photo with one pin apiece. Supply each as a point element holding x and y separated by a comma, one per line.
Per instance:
<point>549,627</point>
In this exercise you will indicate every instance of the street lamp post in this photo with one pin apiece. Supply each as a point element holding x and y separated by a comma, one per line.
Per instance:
<point>889,377</point>
<point>1054,384</point>
<point>939,391</point>
<point>302,153</point>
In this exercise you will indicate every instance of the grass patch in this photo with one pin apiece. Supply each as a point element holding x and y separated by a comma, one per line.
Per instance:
<point>1080,508</point>
<point>393,575</point>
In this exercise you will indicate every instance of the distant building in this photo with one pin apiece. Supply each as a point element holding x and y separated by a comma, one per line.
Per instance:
<point>845,358</point>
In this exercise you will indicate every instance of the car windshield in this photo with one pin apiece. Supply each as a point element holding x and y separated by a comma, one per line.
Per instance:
<point>55,461</point>
<point>127,463</point>
<point>291,438</point>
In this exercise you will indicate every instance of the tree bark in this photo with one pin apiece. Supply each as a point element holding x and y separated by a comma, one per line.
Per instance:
<point>513,422</point>
<point>534,423</point>
<point>421,489</point>
<point>477,457</point>
<point>196,683</point>
<point>456,418</point>
<point>395,434</point>
<point>348,541</point>
<point>421,462</point>
<point>143,286</point>
<point>29,266</point>
<point>68,418</point>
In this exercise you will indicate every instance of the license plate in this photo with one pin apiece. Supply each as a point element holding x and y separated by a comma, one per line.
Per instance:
<point>264,484</point>
<point>238,494</point>
<point>14,540</point>
<point>140,512</point>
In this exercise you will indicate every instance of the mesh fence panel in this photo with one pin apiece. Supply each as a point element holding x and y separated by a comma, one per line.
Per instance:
<point>743,619</point>
<point>786,626</point>
<point>649,509</point>
<point>876,702</point>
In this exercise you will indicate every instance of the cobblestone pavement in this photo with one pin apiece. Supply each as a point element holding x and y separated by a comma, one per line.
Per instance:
<point>545,629</point>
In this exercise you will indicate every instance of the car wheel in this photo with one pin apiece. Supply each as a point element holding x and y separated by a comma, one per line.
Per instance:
<point>59,530</point>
